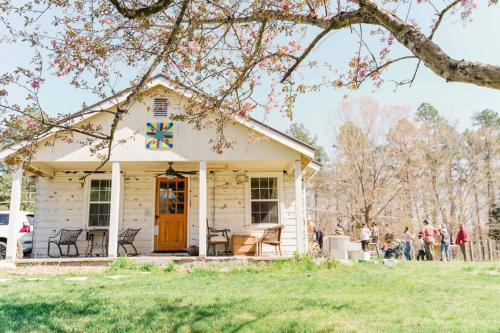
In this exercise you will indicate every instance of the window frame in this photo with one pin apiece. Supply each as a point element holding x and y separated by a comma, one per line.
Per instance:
<point>87,202</point>
<point>248,198</point>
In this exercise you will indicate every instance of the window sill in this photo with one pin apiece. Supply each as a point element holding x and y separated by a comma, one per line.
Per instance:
<point>261,225</point>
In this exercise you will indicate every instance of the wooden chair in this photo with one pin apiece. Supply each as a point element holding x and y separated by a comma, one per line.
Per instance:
<point>65,237</point>
<point>127,238</point>
<point>271,236</point>
<point>217,237</point>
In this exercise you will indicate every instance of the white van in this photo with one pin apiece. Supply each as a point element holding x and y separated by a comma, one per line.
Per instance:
<point>25,234</point>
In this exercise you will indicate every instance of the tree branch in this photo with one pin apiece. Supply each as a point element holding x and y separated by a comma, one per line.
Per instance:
<point>141,12</point>
<point>431,54</point>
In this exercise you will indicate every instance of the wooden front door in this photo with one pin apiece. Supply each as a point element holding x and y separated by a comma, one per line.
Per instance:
<point>171,214</point>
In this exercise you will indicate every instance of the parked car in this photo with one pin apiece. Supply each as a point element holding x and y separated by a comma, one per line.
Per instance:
<point>25,234</point>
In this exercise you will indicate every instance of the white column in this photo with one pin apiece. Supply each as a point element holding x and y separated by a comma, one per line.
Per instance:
<point>299,208</point>
<point>14,213</point>
<point>306,217</point>
<point>115,209</point>
<point>202,223</point>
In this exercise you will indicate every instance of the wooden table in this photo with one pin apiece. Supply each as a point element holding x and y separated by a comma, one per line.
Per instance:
<point>92,236</point>
<point>243,244</point>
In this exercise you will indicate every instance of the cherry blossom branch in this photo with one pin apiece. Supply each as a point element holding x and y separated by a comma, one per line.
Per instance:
<point>141,12</point>
<point>306,52</point>
<point>431,54</point>
<point>121,111</point>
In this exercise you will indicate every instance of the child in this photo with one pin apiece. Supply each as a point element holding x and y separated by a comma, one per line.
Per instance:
<point>420,247</point>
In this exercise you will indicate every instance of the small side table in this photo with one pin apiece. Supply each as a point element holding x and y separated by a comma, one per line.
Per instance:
<point>92,237</point>
<point>243,244</point>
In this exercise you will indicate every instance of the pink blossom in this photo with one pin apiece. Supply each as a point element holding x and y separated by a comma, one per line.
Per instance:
<point>35,83</point>
<point>31,124</point>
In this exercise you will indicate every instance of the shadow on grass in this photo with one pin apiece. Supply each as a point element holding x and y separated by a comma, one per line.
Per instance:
<point>84,314</point>
<point>43,316</point>
<point>198,318</point>
<point>86,310</point>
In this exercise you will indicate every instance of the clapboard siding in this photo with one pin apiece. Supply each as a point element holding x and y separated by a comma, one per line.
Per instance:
<point>60,204</point>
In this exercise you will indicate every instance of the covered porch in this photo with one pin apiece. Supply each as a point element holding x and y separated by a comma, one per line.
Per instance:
<point>243,196</point>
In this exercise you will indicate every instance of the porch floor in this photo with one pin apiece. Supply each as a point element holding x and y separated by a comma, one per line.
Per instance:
<point>158,259</point>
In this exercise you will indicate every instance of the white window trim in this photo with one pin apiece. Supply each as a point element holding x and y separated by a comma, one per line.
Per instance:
<point>248,201</point>
<point>86,199</point>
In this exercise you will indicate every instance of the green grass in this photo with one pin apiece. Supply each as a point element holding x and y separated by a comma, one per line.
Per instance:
<point>284,296</point>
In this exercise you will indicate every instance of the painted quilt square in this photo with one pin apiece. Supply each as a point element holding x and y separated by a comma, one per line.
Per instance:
<point>159,135</point>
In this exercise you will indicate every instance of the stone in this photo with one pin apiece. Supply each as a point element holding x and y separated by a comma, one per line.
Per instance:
<point>345,262</point>
<point>77,279</point>
<point>390,262</point>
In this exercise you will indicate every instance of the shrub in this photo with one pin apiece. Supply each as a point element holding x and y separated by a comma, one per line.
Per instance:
<point>122,263</point>
<point>329,264</point>
<point>303,262</point>
<point>149,267</point>
<point>170,267</point>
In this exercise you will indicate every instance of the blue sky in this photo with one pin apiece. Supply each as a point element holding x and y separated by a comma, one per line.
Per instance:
<point>477,41</point>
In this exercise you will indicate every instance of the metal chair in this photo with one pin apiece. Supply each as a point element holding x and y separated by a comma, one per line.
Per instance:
<point>217,237</point>
<point>127,238</point>
<point>271,236</point>
<point>65,237</point>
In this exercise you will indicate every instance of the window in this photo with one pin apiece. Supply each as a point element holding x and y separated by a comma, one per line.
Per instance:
<point>160,107</point>
<point>4,219</point>
<point>264,202</point>
<point>99,202</point>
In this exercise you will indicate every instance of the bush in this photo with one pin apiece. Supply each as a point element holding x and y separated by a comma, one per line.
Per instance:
<point>122,263</point>
<point>149,267</point>
<point>329,264</point>
<point>303,262</point>
<point>170,267</point>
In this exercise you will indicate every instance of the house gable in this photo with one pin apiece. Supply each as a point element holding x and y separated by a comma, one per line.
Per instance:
<point>188,144</point>
<point>251,140</point>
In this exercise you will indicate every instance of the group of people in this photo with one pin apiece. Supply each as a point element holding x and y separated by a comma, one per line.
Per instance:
<point>428,237</point>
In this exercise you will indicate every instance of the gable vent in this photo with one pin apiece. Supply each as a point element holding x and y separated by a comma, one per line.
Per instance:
<point>160,107</point>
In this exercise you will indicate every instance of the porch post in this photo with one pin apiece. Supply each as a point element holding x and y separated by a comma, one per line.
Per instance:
<point>299,208</point>
<point>306,216</point>
<point>202,223</point>
<point>14,213</point>
<point>114,210</point>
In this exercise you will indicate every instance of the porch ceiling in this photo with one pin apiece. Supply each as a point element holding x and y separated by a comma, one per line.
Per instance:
<point>160,166</point>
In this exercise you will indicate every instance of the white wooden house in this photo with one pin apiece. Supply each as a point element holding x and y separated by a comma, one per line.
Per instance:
<point>133,191</point>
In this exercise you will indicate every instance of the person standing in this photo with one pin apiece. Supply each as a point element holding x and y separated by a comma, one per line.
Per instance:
<point>365,237</point>
<point>463,240</point>
<point>420,247</point>
<point>445,243</point>
<point>408,239</point>
<point>429,233</point>
<point>375,237</point>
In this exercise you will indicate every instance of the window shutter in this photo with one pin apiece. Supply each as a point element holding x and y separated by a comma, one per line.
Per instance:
<point>160,107</point>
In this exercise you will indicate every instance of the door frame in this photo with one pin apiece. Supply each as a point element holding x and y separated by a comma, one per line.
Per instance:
<point>187,197</point>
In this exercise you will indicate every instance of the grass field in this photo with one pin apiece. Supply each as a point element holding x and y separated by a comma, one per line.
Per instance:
<point>286,296</point>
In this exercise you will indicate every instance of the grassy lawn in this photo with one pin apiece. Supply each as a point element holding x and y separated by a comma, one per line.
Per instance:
<point>279,297</point>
